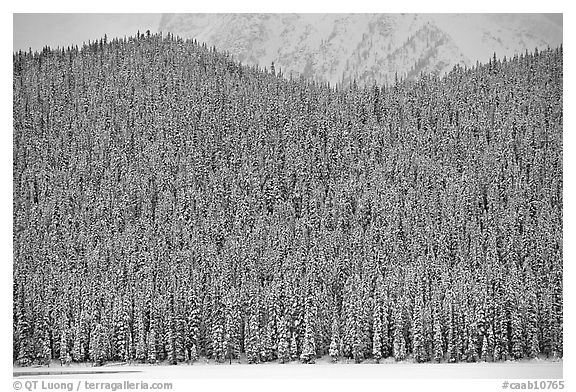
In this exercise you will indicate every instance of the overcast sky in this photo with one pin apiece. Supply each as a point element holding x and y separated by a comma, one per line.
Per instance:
<point>38,30</point>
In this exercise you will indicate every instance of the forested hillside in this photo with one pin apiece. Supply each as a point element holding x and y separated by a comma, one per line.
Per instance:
<point>170,203</point>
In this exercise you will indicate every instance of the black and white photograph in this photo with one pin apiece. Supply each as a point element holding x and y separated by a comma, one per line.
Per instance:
<point>346,196</point>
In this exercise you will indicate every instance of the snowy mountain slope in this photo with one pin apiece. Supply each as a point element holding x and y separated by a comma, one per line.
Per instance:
<point>367,47</point>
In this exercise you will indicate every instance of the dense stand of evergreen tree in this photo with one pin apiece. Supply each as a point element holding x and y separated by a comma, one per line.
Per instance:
<point>170,203</point>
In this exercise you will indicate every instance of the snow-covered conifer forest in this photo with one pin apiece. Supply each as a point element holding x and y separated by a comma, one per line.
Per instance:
<point>171,204</point>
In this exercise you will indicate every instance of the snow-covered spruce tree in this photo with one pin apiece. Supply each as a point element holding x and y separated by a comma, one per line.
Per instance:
<point>78,353</point>
<point>140,354</point>
<point>399,339</point>
<point>471,353</point>
<point>452,333</point>
<point>25,346</point>
<point>41,337</point>
<point>271,329</point>
<point>349,315</point>
<point>497,344</point>
<point>217,335</point>
<point>490,343</point>
<point>180,331</point>
<point>377,328</point>
<point>192,326</point>
<point>380,340</point>
<point>151,350</point>
<point>140,333</point>
<point>252,337</point>
<point>558,303</point>
<point>46,353</point>
<point>293,347</point>
<point>232,328</point>
<point>97,345</point>
<point>514,308</point>
<point>354,332</point>
<point>334,349</point>
<point>516,340</point>
<point>65,357</point>
<point>502,350</point>
<point>516,328</point>
<point>533,342</point>
<point>170,339</point>
<point>308,345</point>
<point>460,332</point>
<point>283,342</point>
<point>308,354</point>
<point>359,348</point>
<point>193,353</point>
<point>121,332</point>
<point>386,340</point>
<point>438,343</point>
<point>485,321</point>
<point>268,346</point>
<point>485,353</point>
<point>418,347</point>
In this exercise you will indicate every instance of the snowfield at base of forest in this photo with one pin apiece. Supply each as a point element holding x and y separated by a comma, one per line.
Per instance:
<point>323,368</point>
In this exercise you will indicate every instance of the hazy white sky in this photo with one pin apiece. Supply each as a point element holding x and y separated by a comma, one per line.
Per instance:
<point>37,30</point>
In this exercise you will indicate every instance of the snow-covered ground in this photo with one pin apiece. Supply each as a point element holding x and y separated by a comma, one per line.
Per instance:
<point>323,368</point>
